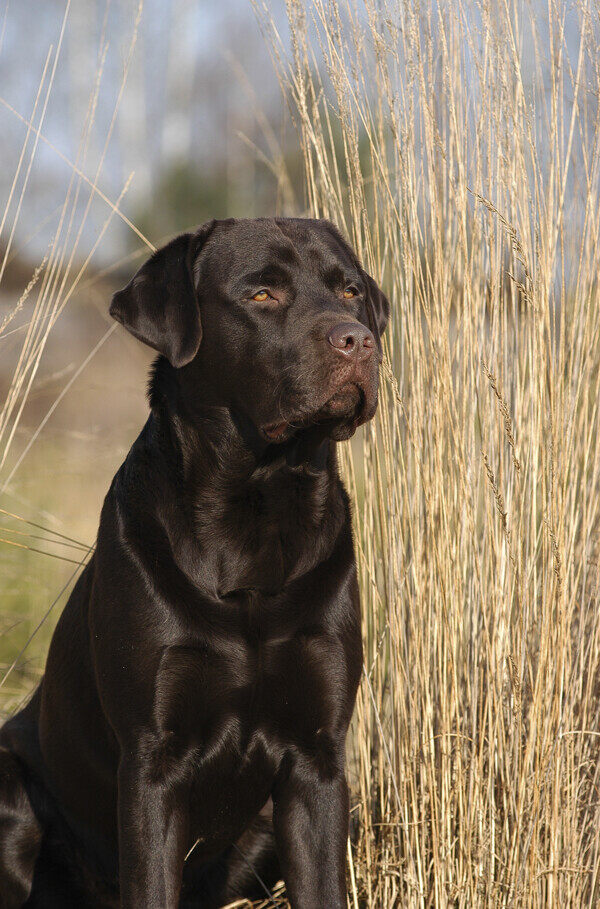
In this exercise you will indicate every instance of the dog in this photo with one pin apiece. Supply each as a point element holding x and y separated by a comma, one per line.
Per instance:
<point>186,746</point>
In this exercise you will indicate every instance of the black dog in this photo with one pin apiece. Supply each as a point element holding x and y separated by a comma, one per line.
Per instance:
<point>186,745</point>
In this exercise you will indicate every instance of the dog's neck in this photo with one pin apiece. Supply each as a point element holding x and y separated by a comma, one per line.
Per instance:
<point>226,445</point>
<point>215,434</point>
<point>244,496</point>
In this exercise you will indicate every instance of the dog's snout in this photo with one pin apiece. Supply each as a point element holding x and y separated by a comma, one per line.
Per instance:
<point>351,339</point>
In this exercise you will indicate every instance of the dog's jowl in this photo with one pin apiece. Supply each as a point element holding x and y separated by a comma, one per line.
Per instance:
<point>186,745</point>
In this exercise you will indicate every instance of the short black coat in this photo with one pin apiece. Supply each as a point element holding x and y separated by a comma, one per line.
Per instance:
<point>203,674</point>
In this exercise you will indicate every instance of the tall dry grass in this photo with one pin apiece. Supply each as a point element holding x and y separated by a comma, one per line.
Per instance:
<point>32,317</point>
<point>458,146</point>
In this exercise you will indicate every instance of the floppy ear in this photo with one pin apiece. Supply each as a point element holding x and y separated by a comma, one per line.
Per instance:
<point>160,305</point>
<point>378,307</point>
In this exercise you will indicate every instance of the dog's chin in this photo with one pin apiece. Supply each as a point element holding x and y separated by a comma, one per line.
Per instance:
<point>342,412</point>
<point>339,416</point>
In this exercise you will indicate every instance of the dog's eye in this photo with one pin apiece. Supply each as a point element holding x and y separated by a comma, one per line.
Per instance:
<point>261,296</point>
<point>350,292</point>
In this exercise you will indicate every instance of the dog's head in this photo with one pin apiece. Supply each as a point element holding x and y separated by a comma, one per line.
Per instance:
<point>274,317</point>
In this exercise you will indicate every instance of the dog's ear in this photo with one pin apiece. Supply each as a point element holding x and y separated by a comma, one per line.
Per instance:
<point>377,304</point>
<point>160,304</point>
<point>378,307</point>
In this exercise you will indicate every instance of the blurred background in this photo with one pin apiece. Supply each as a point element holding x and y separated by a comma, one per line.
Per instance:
<point>158,114</point>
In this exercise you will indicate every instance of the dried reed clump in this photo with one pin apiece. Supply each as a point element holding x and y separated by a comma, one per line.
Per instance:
<point>458,147</point>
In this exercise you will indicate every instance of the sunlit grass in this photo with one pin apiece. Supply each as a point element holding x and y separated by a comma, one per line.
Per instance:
<point>457,146</point>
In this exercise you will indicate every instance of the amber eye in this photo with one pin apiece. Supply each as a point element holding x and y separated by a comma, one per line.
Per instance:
<point>261,296</point>
<point>349,293</point>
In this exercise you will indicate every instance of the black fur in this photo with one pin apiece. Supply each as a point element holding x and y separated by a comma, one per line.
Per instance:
<point>202,676</point>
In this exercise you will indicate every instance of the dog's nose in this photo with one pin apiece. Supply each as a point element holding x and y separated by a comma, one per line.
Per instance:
<point>351,339</point>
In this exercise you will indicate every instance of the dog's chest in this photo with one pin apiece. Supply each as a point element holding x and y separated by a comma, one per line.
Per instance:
<point>264,533</point>
<point>232,714</point>
<point>285,688</point>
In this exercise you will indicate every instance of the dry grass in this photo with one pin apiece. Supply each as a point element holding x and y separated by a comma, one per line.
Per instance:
<point>47,292</point>
<point>458,145</point>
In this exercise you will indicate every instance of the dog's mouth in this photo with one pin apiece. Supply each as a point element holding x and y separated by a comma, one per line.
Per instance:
<point>347,406</point>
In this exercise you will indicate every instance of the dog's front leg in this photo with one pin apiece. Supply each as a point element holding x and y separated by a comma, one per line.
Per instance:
<point>153,825</point>
<point>310,818</point>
